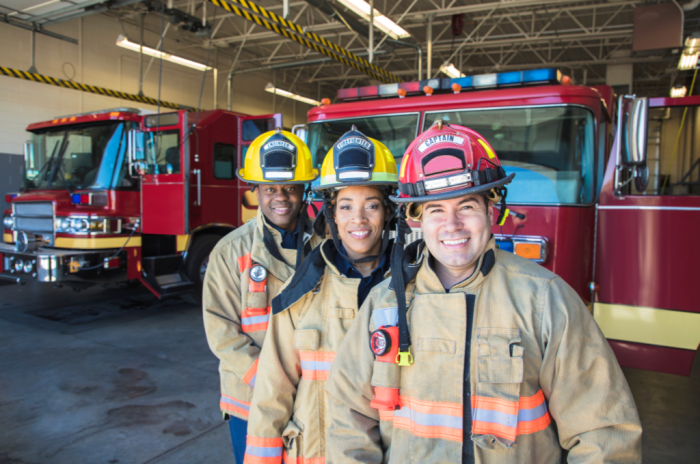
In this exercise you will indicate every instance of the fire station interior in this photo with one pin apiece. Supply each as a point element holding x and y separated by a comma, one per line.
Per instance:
<point>124,124</point>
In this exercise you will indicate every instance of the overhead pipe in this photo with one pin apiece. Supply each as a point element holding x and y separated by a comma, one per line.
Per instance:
<point>295,64</point>
<point>429,39</point>
<point>371,31</point>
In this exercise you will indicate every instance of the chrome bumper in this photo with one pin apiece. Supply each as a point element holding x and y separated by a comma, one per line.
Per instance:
<point>47,264</point>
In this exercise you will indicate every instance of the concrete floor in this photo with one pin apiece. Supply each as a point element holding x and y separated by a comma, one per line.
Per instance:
<point>112,376</point>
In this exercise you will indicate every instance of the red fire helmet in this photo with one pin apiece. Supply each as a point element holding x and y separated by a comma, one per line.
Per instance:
<point>449,161</point>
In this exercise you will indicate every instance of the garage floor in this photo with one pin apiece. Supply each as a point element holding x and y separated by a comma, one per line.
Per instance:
<point>113,376</point>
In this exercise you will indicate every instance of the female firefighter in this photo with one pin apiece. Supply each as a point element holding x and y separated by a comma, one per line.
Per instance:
<point>318,305</point>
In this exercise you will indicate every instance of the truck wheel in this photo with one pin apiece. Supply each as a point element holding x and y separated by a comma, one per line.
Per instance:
<point>197,262</point>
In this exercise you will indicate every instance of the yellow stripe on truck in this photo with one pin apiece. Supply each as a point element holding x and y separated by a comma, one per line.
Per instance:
<point>7,238</point>
<point>182,242</point>
<point>95,243</point>
<point>639,324</point>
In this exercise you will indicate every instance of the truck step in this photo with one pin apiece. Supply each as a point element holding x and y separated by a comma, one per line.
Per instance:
<point>162,265</point>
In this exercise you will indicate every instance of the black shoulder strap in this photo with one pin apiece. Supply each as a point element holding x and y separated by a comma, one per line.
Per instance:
<point>303,281</point>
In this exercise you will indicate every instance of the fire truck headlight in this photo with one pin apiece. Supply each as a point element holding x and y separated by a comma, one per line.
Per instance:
<point>62,224</point>
<point>19,265</point>
<point>28,267</point>
<point>79,225</point>
<point>8,222</point>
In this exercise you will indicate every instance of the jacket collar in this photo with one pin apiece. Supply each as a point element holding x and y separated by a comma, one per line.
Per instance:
<point>259,254</point>
<point>427,280</point>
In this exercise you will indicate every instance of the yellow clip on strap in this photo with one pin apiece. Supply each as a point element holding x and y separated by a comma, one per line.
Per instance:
<point>505,216</point>
<point>404,358</point>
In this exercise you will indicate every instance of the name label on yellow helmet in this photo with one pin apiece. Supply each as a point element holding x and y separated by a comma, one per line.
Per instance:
<point>439,139</point>
<point>279,144</point>
<point>354,140</point>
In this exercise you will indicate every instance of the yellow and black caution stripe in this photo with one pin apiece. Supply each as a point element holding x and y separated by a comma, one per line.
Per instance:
<point>295,32</point>
<point>35,77</point>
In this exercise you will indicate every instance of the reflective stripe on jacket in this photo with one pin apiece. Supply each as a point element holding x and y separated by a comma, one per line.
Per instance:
<point>543,377</point>
<point>235,319</point>
<point>310,318</point>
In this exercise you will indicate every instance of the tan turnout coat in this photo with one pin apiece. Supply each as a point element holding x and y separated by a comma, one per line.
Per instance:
<point>537,359</point>
<point>288,417</point>
<point>235,319</point>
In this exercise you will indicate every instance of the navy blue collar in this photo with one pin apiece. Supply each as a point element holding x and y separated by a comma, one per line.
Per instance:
<point>348,270</point>
<point>289,239</point>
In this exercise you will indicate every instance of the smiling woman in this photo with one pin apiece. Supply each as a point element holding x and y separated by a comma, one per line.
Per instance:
<point>312,315</point>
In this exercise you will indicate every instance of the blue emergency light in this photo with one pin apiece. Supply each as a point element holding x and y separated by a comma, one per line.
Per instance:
<point>476,82</point>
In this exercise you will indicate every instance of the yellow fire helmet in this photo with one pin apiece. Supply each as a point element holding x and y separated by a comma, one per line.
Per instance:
<point>356,159</point>
<point>278,157</point>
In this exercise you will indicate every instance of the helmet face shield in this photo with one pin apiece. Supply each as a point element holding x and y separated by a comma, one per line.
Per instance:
<point>278,158</point>
<point>353,157</point>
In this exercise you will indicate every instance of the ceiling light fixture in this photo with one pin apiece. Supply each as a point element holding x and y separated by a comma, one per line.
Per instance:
<point>692,43</point>
<point>450,70</point>
<point>126,43</point>
<point>381,22</point>
<point>272,89</point>
<point>678,91</point>
<point>688,61</point>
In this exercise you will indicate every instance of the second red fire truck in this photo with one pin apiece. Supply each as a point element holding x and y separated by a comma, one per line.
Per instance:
<point>117,196</point>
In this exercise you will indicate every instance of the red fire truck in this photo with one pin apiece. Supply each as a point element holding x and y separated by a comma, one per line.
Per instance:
<point>118,196</point>
<point>597,211</point>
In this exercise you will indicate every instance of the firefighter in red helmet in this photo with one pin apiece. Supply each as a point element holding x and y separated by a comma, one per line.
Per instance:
<point>498,360</point>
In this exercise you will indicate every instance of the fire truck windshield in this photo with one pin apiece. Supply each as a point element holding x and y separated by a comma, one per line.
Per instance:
<point>78,157</point>
<point>550,149</point>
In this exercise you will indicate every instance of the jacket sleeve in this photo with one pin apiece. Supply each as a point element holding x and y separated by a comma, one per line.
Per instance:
<point>222,316</point>
<point>589,398</point>
<point>353,434</point>
<point>275,390</point>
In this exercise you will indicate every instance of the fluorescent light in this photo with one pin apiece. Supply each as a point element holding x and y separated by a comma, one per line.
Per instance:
<point>126,43</point>
<point>271,88</point>
<point>688,61</point>
<point>381,22</point>
<point>692,44</point>
<point>678,91</point>
<point>450,70</point>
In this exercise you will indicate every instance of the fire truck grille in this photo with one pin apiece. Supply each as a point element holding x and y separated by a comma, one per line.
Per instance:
<point>33,216</point>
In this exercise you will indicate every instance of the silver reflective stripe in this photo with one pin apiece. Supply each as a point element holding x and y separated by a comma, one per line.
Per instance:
<point>386,317</point>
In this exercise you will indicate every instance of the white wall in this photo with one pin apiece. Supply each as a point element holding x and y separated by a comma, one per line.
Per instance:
<point>98,61</point>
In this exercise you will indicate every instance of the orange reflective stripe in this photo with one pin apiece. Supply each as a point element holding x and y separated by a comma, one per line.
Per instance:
<point>316,365</point>
<point>534,425</point>
<point>495,404</point>
<point>529,402</point>
<point>428,419</point>
<point>287,460</point>
<point>244,262</point>
<point>493,428</point>
<point>255,319</point>
<point>249,376</point>
<point>262,450</point>
<point>263,441</point>
<point>230,404</point>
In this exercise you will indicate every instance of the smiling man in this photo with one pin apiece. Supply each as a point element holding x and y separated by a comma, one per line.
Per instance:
<point>498,360</point>
<point>248,267</point>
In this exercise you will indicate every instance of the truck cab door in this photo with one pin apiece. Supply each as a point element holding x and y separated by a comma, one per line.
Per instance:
<point>249,127</point>
<point>164,174</point>
<point>646,261</point>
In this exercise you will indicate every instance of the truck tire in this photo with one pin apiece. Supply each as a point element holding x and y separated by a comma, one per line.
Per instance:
<point>196,264</point>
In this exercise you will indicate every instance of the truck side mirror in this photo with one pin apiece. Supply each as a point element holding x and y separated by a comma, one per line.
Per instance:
<point>634,151</point>
<point>30,162</point>
<point>135,143</point>
<point>300,131</point>
<point>632,133</point>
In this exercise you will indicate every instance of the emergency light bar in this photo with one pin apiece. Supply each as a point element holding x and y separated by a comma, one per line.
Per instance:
<point>478,82</point>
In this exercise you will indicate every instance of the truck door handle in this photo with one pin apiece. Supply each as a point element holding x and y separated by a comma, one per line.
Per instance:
<point>198,173</point>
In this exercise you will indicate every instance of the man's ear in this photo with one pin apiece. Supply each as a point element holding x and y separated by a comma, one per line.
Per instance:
<point>257,193</point>
<point>490,211</point>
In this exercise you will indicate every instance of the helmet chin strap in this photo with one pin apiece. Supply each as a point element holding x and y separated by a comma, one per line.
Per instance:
<point>329,213</point>
<point>404,357</point>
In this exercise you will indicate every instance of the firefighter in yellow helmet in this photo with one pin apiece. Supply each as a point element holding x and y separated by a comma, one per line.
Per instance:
<point>248,267</point>
<point>498,359</point>
<point>311,315</point>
